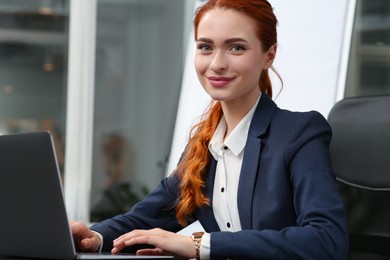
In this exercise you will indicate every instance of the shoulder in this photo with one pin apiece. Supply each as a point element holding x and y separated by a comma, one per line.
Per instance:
<point>269,117</point>
<point>301,120</point>
<point>289,126</point>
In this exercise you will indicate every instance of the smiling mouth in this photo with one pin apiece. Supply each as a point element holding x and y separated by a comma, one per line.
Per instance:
<point>219,81</point>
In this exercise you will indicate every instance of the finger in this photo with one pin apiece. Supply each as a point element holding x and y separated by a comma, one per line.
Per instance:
<point>74,227</point>
<point>119,242</point>
<point>138,236</point>
<point>86,243</point>
<point>90,244</point>
<point>124,237</point>
<point>117,249</point>
<point>80,229</point>
<point>151,251</point>
<point>118,245</point>
<point>135,233</point>
<point>130,240</point>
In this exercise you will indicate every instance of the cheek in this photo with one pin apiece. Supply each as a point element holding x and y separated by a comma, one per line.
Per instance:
<point>250,65</point>
<point>197,65</point>
<point>201,64</point>
<point>200,69</point>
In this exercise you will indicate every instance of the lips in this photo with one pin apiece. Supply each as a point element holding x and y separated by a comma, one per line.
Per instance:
<point>219,81</point>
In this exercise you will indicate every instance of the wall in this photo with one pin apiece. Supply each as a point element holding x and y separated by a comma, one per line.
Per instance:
<point>310,44</point>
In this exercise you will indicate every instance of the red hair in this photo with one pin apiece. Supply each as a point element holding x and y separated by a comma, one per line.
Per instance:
<point>192,169</point>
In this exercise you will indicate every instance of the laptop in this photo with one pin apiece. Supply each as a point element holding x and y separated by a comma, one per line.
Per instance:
<point>33,219</point>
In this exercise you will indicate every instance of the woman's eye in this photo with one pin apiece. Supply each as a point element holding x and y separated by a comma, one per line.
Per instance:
<point>204,47</point>
<point>237,48</point>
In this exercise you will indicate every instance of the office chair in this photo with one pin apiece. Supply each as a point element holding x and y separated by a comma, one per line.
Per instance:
<point>360,153</point>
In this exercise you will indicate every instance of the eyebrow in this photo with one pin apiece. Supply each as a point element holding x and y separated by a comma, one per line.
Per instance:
<point>227,41</point>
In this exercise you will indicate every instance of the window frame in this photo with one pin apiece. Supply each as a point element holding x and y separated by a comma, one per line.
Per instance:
<point>80,108</point>
<point>346,50</point>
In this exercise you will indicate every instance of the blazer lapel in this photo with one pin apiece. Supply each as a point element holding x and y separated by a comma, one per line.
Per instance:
<point>249,169</point>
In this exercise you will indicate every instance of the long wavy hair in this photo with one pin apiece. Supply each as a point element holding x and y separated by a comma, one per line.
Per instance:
<point>192,169</point>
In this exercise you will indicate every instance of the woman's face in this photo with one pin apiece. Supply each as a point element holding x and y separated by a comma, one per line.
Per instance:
<point>229,58</point>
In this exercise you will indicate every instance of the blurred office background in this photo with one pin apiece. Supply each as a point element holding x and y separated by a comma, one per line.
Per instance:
<point>110,80</point>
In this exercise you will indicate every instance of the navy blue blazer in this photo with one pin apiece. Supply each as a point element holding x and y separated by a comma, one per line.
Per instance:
<point>288,202</point>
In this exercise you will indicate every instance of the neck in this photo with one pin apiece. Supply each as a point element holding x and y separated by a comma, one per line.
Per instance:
<point>234,112</point>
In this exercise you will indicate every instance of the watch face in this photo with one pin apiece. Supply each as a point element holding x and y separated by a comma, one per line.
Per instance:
<point>198,234</point>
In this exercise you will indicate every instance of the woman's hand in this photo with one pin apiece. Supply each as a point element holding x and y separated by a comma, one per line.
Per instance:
<point>165,243</point>
<point>85,239</point>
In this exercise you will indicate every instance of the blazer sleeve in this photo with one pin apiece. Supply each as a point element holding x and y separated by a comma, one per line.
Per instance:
<point>156,210</point>
<point>320,230</point>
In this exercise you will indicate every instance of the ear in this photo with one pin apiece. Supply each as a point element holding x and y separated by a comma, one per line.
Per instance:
<point>270,56</point>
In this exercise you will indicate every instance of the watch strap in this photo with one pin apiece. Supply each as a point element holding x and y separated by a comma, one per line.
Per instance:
<point>197,238</point>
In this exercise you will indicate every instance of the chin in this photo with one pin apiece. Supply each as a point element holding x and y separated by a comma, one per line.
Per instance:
<point>219,98</point>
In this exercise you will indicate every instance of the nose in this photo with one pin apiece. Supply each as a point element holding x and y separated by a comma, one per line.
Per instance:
<point>218,62</point>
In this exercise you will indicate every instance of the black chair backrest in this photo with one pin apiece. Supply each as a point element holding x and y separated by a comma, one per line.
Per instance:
<point>360,153</point>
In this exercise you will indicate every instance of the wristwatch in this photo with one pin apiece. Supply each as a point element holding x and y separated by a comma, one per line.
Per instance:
<point>197,238</point>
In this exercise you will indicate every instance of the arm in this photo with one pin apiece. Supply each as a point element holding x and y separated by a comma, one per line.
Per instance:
<point>156,210</point>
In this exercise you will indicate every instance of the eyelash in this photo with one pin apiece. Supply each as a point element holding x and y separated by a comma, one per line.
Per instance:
<point>204,47</point>
<point>237,48</point>
<point>233,48</point>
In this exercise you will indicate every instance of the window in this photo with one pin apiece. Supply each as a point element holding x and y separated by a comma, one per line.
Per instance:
<point>369,62</point>
<point>33,68</point>
<point>140,53</point>
<point>139,66</point>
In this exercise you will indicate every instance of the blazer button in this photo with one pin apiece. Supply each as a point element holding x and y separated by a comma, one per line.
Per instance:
<point>228,224</point>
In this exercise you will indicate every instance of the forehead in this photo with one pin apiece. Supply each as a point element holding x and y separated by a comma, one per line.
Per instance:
<point>226,23</point>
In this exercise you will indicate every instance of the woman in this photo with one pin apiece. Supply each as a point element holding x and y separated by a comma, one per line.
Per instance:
<point>258,178</point>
